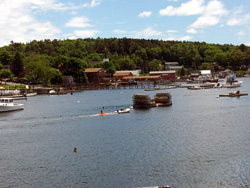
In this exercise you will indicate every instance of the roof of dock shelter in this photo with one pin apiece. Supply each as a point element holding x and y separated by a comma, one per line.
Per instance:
<point>122,74</point>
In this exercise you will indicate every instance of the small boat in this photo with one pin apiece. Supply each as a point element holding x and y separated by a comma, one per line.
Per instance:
<point>30,94</point>
<point>122,111</point>
<point>233,95</point>
<point>52,92</point>
<point>7,104</point>
<point>103,114</point>
<point>194,87</point>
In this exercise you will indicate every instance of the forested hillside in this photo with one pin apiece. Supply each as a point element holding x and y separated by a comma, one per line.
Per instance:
<point>46,61</point>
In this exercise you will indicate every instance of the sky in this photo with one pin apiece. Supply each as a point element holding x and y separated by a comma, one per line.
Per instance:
<point>210,21</point>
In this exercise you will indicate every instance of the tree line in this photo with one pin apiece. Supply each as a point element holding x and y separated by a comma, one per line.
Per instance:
<point>46,61</point>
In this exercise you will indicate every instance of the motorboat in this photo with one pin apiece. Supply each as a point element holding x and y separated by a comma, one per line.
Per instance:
<point>7,104</point>
<point>122,111</point>
<point>232,82</point>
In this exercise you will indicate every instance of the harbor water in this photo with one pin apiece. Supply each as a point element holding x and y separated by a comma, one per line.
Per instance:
<point>200,141</point>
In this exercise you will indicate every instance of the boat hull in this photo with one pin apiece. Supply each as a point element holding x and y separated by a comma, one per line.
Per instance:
<point>233,95</point>
<point>15,107</point>
<point>123,111</point>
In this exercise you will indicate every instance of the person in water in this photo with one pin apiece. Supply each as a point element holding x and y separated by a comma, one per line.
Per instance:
<point>238,91</point>
<point>101,112</point>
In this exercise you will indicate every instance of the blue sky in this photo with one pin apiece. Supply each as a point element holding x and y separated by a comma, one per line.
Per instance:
<point>211,21</point>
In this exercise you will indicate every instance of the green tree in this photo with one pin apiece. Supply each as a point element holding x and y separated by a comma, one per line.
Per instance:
<point>55,76</point>
<point>17,64</point>
<point>236,59</point>
<point>154,65</point>
<point>180,72</point>
<point>4,73</point>
<point>5,57</point>
<point>80,77</point>
<point>207,66</point>
<point>126,64</point>
<point>38,69</point>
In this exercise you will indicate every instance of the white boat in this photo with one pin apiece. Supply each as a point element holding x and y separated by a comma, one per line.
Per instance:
<point>52,92</point>
<point>232,82</point>
<point>7,104</point>
<point>122,111</point>
<point>30,94</point>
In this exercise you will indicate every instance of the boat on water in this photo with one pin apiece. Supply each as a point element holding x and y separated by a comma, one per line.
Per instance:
<point>52,92</point>
<point>234,94</point>
<point>30,94</point>
<point>103,114</point>
<point>122,111</point>
<point>232,82</point>
<point>7,104</point>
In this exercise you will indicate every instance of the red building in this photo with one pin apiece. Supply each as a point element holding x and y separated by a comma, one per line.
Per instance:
<point>166,75</point>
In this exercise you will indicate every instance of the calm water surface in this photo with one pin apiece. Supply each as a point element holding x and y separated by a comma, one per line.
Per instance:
<point>201,141</point>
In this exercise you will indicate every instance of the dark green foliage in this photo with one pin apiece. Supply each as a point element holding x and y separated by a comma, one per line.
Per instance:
<point>71,57</point>
<point>17,64</point>
<point>5,73</point>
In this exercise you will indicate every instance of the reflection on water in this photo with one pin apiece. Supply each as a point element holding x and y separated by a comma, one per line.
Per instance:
<point>200,141</point>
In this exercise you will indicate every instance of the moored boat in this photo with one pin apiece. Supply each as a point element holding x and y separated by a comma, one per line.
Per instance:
<point>7,104</point>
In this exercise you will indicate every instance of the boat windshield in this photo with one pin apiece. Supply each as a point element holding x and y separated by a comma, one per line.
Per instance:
<point>6,100</point>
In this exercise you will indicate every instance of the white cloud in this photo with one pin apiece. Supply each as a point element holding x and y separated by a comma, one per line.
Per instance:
<point>205,21</point>
<point>215,8</point>
<point>93,3</point>
<point>192,7</point>
<point>239,19</point>
<point>172,31</point>
<point>210,14</point>
<point>145,14</point>
<point>179,38</point>
<point>85,33</point>
<point>19,25</point>
<point>78,22</point>
<point>117,31</point>
<point>20,20</point>
<point>147,33</point>
<point>192,31</point>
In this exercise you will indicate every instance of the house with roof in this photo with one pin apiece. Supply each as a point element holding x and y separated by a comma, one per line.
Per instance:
<point>172,66</point>
<point>95,75</point>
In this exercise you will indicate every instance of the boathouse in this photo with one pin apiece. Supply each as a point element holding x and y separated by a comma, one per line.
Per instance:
<point>166,75</point>
<point>95,75</point>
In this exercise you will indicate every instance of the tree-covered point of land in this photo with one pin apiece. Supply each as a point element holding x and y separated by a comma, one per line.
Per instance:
<point>46,61</point>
